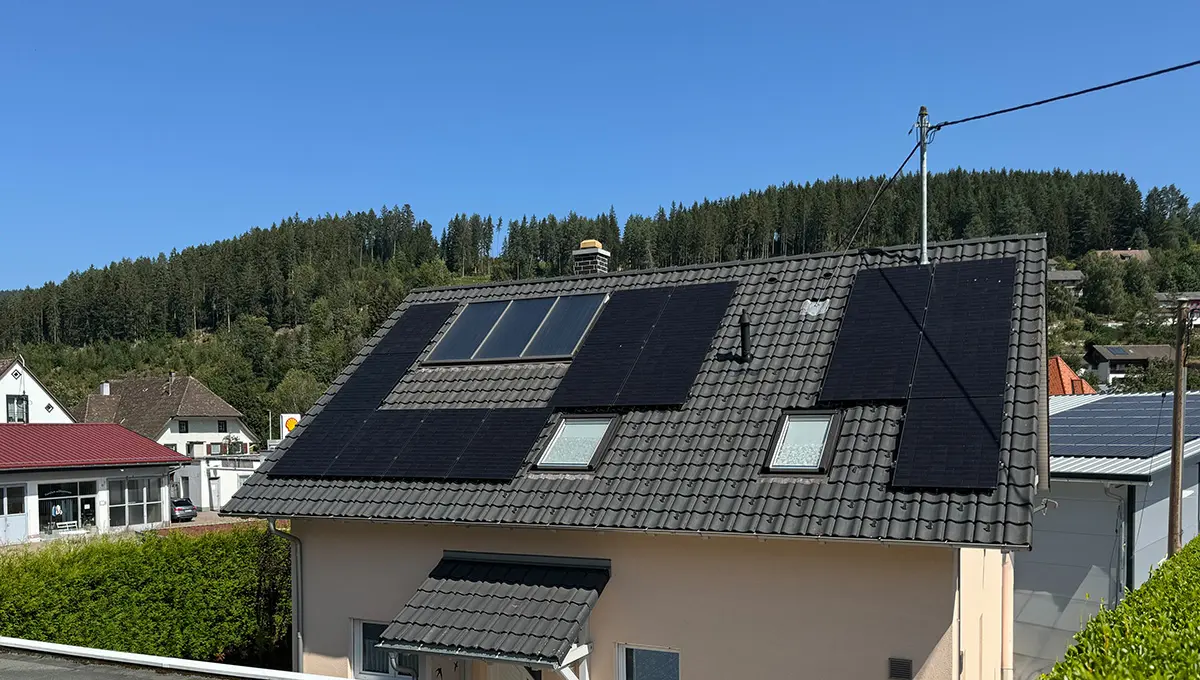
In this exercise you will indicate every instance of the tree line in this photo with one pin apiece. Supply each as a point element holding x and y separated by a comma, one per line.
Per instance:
<point>270,317</point>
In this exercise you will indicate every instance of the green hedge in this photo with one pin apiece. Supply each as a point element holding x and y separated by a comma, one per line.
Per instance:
<point>218,596</point>
<point>1153,633</point>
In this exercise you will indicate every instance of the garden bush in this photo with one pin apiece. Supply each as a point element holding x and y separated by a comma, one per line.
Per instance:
<point>218,596</point>
<point>1153,633</point>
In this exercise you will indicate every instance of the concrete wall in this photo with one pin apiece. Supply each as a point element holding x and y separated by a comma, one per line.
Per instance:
<point>30,481</point>
<point>1076,565</point>
<point>733,607</point>
<point>225,474</point>
<point>1150,519</point>
<point>39,398</point>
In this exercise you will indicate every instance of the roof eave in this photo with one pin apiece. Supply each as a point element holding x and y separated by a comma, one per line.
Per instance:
<point>654,532</point>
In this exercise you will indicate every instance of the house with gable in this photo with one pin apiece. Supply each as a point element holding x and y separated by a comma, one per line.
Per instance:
<point>26,399</point>
<point>808,466</point>
<point>182,414</point>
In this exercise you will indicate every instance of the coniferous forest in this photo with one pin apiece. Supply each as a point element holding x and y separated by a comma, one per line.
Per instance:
<point>267,319</point>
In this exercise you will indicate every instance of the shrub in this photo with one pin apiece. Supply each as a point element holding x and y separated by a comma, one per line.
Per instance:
<point>219,596</point>
<point>1153,633</point>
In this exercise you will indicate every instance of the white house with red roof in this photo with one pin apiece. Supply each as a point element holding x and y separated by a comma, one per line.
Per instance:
<point>79,479</point>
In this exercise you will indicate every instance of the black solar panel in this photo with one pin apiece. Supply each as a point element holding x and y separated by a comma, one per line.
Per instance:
<point>415,328</point>
<point>515,329</point>
<point>433,449</point>
<point>564,326</point>
<point>879,336</point>
<point>1121,427</point>
<point>611,349</point>
<point>950,443</point>
<point>500,444</point>
<point>672,355</point>
<point>376,445</point>
<point>310,454</point>
<point>967,329</point>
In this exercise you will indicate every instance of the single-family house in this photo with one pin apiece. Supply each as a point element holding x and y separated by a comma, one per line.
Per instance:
<point>808,466</point>
<point>1064,380</point>
<point>1069,279</point>
<point>26,399</point>
<point>1102,526</point>
<point>78,479</point>
<point>1110,363</point>
<point>182,414</point>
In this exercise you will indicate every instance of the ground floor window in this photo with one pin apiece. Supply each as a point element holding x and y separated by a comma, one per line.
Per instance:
<point>643,663</point>
<point>66,506</point>
<point>372,662</point>
<point>134,501</point>
<point>12,500</point>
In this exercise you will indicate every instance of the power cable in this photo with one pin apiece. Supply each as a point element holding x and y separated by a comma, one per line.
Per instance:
<point>866,213</point>
<point>1124,81</point>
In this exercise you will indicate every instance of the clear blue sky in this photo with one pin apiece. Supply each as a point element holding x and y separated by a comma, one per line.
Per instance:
<point>130,128</point>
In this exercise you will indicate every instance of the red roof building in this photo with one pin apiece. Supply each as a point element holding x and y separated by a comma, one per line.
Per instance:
<point>74,445</point>
<point>1063,380</point>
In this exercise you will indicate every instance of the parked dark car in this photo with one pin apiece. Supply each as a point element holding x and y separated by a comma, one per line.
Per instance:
<point>183,510</point>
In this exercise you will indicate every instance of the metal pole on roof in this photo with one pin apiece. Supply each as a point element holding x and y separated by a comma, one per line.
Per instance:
<point>923,130</point>
<point>1175,515</point>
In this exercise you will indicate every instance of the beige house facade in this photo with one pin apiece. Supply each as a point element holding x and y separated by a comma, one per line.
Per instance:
<point>731,607</point>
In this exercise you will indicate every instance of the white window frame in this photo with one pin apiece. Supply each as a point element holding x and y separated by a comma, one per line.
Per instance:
<point>356,636</point>
<point>605,439</point>
<point>622,646</point>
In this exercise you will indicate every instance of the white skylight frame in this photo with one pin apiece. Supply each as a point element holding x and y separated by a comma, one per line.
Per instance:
<point>800,424</point>
<point>599,442</point>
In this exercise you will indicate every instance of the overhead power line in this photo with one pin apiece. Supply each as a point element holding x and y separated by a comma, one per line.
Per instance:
<point>867,213</point>
<point>1061,97</point>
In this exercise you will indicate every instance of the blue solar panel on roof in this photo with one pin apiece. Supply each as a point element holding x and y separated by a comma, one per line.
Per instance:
<point>1119,427</point>
<point>532,328</point>
<point>470,328</point>
<point>565,326</point>
<point>515,329</point>
<point>1118,350</point>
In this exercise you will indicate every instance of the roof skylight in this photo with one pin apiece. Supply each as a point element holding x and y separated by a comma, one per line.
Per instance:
<point>802,443</point>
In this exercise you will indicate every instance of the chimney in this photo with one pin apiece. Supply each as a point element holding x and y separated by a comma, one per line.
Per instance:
<point>591,258</point>
<point>170,381</point>
<point>104,389</point>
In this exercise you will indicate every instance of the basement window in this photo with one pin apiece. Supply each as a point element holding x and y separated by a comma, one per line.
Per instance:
<point>803,442</point>
<point>576,443</point>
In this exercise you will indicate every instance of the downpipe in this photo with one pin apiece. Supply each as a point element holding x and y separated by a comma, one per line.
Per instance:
<point>297,592</point>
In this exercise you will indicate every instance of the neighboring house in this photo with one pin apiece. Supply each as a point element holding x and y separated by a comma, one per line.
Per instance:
<point>1142,255</point>
<point>182,414</point>
<point>811,466</point>
<point>1110,363</point>
<point>1104,525</point>
<point>26,400</point>
<point>1070,279</point>
<point>72,479</point>
<point>1063,380</point>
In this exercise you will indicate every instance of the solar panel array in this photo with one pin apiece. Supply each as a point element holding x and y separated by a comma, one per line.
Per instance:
<point>1119,427</point>
<point>952,424</point>
<point>879,337</point>
<point>462,444</point>
<point>646,347</point>
<point>937,338</point>
<point>532,328</point>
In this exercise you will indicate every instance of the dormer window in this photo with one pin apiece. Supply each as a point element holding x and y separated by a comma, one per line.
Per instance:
<point>577,443</point>
<point>804,442</point>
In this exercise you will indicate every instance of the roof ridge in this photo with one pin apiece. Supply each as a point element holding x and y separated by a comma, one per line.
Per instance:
<point>736,263</point>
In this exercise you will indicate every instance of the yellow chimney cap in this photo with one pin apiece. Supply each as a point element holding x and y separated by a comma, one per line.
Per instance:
<point>590,243</point>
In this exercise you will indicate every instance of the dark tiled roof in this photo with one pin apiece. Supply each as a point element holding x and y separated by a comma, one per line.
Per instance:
<point>146,405</point>
<point>520,608</point>
<point>697,469</point>
<point>60,445</point>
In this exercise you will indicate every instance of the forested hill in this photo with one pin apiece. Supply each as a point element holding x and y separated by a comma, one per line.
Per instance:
<point>295,299</point>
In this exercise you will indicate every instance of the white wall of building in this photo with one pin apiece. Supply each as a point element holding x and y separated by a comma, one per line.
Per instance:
<point>17,380</point>
<point>101,506</point>
<point>202,432</point>
<point>212,480</point>
<point>1150,519</point>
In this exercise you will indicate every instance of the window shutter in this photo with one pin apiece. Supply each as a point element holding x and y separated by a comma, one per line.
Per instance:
<point>208,448</point>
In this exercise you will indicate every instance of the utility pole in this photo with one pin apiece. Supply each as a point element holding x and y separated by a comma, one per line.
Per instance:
<point>1175,515</point>
<point>923,131</point>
